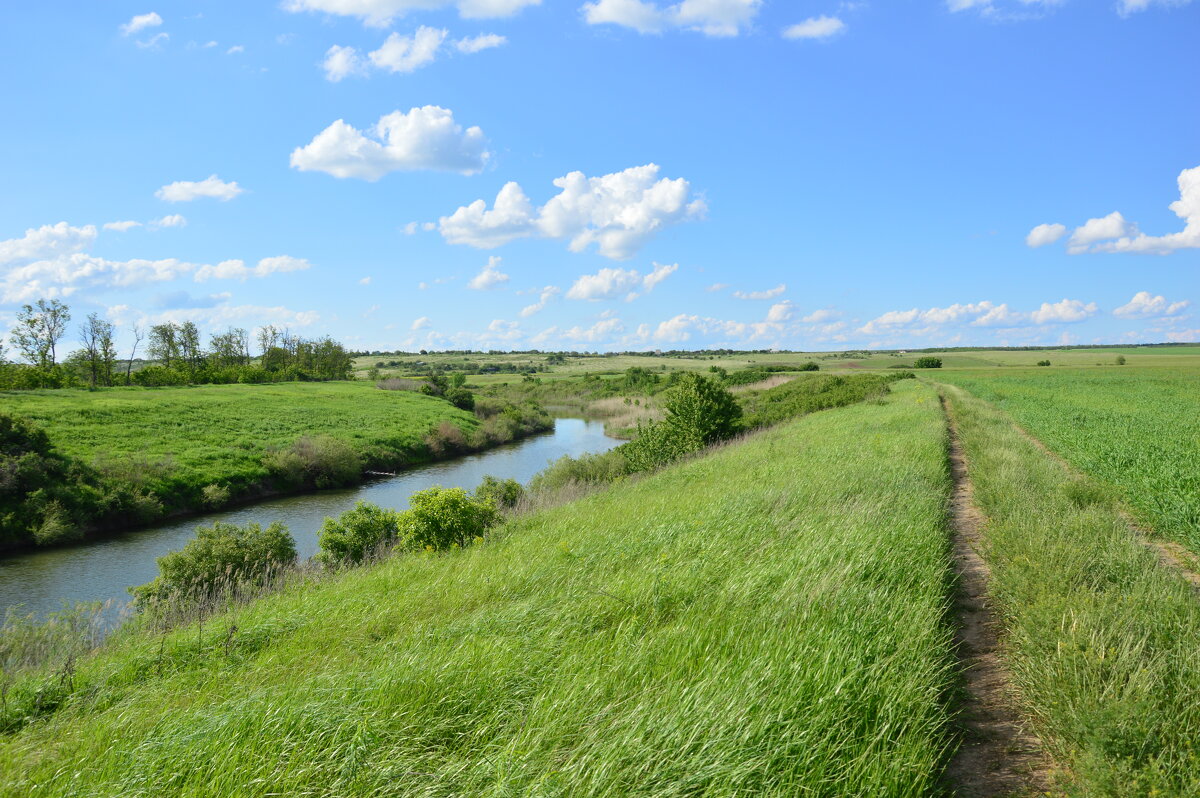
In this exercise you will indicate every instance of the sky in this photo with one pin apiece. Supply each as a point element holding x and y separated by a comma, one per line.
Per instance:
<point>608,174</point>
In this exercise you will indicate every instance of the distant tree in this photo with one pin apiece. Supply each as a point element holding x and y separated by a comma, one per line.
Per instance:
<point>190,352</point>
<point>1120,360</point>
<point>139,332</point>
<point>38,330</point>
<point>164,343</point>
<point>928,363</point>
<point>1043,363</point>
<point>98,354</point>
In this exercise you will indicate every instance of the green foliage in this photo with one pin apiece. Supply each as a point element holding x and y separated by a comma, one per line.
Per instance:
<point>700,412</point>
<point>439,518</point>
<point>356,534</point>
<point>809,394</point>
<point>588,469</point>
<point>502,493</point>
<point>220,557</point>
<point>1043,362</point>
<point>38,486</point>
<point>320,461</point>
<point>1120,361</point>
<point>928,362</point>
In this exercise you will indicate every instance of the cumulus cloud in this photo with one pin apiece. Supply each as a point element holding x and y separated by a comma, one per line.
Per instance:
<point>380,13</point>
<point>140,22</point>
<point>421,323</point>
<point>1066,310</point>
<point>1145,306</point>
<point>1045,234</point>
<point>218,316</point>
<point>425,138</point>
<point>121,227</point>
<point>617,283</point>
<point>173,220</point>
<point>343,62</point>
<point>781,312</point>
<point>211,186</point>
<point>1114,233</point>
<point>238,270</point>
<point>602,330</point>
<point>1127,7</point>
<point>768,294</point>
<point>617,212</point>
<point>47,241</point>
<point>548,293</point>
<point>491,276</point>
<point>815,28</point>
<point>1004,9</point>
<point>717,287</point>
<point>821,316</point>
<point>409,53</point>
<point>484,41</point>
<point>710,17</point>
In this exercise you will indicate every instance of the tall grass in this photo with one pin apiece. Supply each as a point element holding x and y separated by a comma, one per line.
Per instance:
<point>766,620</point>
<point>1102,639</point>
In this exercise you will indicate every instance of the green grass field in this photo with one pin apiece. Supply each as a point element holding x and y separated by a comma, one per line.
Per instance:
<point>1137,429</point>
<point>186,438</point>
<point>766,620</point>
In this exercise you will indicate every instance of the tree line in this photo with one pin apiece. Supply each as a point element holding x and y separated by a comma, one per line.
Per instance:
<point>175,354</point>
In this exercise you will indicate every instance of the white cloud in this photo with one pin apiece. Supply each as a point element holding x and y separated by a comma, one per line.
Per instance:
<point>154,41</point>
<point>343,62</point>
<point>1112,226</point>
<point>1145,306</point>
<point>380,13</point>
<point>1045,234</point>
<point>1127,7</point>
<point>1184,336</point>
<point>717,287</point>
<point>409,53</point>
<point>187,190</point>
<point>821,316</point>
<point>64,275</point>
<point>237,48</point>
<point>424,138</point>
<point>484,41</point>
<point>1001,10</point>
<point>237,269</point>
<point>47,241</point>
<point>781,312</point>
<point>1114,233</point>
<point>365,281</point>
<point>141,22</point>
<point>615,283</point>
<point>618,212</point>
<point>491,276</point>
<point>121,227</point>
<point>769,294</point>
<point>1067,310</point>
<point>217,317</point>
<point>600,331</point>
<point>173,220</point>
<point>548,294</point>
<point>815,28</point>
<point>710,17</point>
<point>999,316</point>
<point>421,323</point>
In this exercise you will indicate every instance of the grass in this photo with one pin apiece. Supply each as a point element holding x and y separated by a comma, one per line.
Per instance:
<point>181,439</point>
<point>1101,639</point>
<point>764,620</point>
<point>1136,429</point>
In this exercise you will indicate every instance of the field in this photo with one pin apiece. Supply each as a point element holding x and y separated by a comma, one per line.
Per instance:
<point>1137,429</point>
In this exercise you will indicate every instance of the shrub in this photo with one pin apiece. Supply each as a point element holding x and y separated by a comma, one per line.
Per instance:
<point>356,533</point>
<point>928,363</point>
<point>398,384</point>
<point>219,557</point>
<point>588,469</point>
<point>501,493</point>
<point>1043,362</point>
<point>439,518</point>
<point>214,495</point>
<point>1120,360</point>
<point>319,461</point>
<point>701,411</point>
<point>444,438</point>
<point>809,366</point>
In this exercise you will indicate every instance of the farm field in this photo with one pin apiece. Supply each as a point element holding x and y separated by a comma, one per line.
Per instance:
<point>1136,429</point>
<point>767,619</point>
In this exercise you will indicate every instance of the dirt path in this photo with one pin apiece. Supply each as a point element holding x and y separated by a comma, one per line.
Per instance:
<point>998,755</point>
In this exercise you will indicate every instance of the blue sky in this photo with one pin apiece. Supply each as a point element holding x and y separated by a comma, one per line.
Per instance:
<point>616,174</point>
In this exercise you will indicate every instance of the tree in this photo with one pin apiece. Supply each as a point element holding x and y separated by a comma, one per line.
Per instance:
<point>139,332</point>
<point>700,411</point>
<point>190,351</point>
<point>928,363</point>
<point>164,343</point>
<point>99,354</point>
<point>38,330</point>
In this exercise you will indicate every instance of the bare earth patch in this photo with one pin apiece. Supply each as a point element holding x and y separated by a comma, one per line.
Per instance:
<point>999,756</point>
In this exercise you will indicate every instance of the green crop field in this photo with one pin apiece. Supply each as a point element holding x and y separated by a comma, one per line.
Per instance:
<point>1137,429</point>
<point>186,438</point>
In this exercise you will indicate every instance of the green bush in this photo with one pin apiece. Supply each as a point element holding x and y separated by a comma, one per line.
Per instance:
<point>320,461</point>
<point>588,469</point>
<point>356,533</point>
<point>1043,363</point>
<point>501,493</point>
<point>439,518</point>
<point>809,366</point>
<point>220,557</point>
<point>928,362</point>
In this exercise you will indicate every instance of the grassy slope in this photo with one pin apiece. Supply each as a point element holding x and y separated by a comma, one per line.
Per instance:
<point>218,433</point>
<point>1135,428</point>
<point>766,620</point>
<point>1102,640</point>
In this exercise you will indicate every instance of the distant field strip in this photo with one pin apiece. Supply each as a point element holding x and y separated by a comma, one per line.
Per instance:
<point>1136,429</point>
<point>1101,639</point>
<point>769,619</point>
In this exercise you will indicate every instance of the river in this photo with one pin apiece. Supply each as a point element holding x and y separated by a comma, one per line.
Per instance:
<point>103,570</point>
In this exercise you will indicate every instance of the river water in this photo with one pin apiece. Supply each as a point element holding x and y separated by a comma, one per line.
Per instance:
<point>104,569</point>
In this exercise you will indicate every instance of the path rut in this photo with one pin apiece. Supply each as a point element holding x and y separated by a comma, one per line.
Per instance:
<point>998,756</point>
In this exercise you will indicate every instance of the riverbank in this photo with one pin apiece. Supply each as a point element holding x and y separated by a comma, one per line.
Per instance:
<point>120,459</point>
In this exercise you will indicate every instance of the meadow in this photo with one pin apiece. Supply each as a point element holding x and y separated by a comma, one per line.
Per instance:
<point>767,619</point>
<point>1136,429</point>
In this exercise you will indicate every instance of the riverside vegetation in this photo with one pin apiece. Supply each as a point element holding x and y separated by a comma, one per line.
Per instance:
<point>700,611</point>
